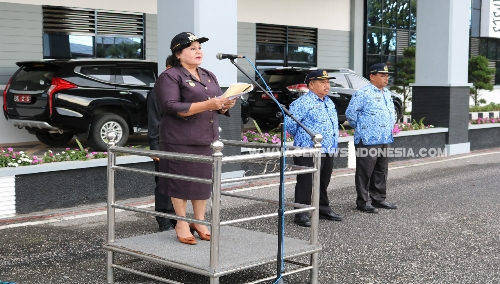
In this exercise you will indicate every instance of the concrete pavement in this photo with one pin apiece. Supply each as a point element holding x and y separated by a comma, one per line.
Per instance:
<point>446,231</point>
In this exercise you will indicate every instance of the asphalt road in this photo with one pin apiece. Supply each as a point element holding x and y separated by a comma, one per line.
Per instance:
<point>445,231</point>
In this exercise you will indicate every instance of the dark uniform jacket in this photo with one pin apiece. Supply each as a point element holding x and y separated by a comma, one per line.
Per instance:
<point>154,117</point>
<point>175,90</point>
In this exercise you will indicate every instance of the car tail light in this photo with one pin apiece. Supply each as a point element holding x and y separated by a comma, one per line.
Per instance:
<point>58,84</point>
<point>266,97</point>
<point>300,88</point>
<point>5,94</point>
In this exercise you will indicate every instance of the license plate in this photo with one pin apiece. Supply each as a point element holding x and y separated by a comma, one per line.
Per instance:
<point>22,98</point>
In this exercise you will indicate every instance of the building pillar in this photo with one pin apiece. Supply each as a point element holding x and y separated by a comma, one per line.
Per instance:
<point>218,21</point>
<point>357,35</point>
<point>203,18</point>
<point>441,91</point>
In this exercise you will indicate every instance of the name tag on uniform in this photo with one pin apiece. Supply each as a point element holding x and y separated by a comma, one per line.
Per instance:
<point>317,106</point>
<point>190,82</point>
<point>378,99</point>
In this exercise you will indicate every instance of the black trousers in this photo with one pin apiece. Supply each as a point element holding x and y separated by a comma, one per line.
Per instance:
<point>303,188</point>
<point>371,173</point>
<point>163,203</point>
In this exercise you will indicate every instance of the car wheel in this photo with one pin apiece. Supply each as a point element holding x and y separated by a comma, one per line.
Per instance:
<point>104,124</point>
<point>397,111</point>
<point>54,139</point>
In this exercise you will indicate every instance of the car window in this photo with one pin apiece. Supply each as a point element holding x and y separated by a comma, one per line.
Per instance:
<point>357,81</point>
<point>339,82</point>
<point>138,76</point>
<point>103,73</point>
<point>284,78</point>
<point>35,77</point>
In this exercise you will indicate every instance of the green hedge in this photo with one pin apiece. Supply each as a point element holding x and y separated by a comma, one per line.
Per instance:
<point>485,108</point>
<point>488,107</point>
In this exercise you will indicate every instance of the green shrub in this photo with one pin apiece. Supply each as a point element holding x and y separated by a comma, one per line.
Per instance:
<point>489,107</point>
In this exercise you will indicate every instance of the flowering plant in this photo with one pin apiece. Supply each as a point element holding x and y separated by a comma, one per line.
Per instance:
<point>72,155</point>
<point>405,126</point>
<point>273,137</point>
<point>345,133</point>
<point>485,120</point>
<point>10,158</point>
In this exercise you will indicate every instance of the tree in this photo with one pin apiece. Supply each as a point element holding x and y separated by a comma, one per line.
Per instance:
<point>480,75</point>
<point>123,50</point>
<point>405,69</point>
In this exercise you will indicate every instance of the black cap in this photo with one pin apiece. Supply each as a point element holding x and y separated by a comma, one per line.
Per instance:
<point>183,39</point>
<point>378,68</point>
<point>317,75</point>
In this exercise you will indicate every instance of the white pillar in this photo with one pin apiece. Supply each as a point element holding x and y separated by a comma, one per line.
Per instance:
<point>441,90</point>
<point>215,19</point>
<point>442,43</point>
<point>357,41</point>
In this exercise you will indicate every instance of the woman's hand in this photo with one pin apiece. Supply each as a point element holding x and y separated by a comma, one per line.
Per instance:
<point>219,103</point>
<point>229,104</point>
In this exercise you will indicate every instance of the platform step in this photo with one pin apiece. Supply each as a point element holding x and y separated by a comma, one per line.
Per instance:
<point>239,249</point>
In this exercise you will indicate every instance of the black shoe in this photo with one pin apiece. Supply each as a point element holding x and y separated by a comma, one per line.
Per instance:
<point>385,205</point>
<point>302,221</point>
<point>367,209</point>
<point>163,228</point>
<point>331,216</point>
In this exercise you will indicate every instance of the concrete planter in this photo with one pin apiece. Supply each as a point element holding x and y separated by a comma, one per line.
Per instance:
<point>415,144</point>
<point>340,161</point>
<point>484,136</point>
<point>408,144</point>
<point>66,184</point>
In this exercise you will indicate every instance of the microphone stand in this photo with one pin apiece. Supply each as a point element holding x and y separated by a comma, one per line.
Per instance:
<point>281,211</point>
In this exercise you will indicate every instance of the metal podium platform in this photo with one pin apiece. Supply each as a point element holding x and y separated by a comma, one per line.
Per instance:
<point>238,248</point>
<point>231,249</point>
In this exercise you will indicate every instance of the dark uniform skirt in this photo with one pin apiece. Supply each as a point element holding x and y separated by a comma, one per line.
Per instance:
<point>180,188</point>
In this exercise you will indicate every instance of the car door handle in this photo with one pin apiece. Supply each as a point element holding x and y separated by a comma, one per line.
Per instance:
<point>125,93</point>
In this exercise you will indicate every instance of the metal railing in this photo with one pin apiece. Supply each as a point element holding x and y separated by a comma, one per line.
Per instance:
<point>217,160</point>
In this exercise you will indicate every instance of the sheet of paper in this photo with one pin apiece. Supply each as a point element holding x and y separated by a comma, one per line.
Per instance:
<point>237,89</point>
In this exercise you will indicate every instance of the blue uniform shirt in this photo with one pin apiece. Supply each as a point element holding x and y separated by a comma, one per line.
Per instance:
<point>319,116</point>
<point>371,114</point>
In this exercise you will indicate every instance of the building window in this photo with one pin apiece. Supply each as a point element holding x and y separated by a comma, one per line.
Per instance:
<point>390,28</point>
<point>489,48</point>
<point>286,46</point>
<point>87,33</point>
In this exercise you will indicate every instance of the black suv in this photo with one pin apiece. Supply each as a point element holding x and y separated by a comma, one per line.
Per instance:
<point>57,99</point>
<point>288,83</point>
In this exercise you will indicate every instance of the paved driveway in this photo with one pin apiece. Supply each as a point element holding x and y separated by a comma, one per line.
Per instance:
<point>446,231</point>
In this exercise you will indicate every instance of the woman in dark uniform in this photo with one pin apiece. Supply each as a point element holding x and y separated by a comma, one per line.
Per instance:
<point>188,97</point>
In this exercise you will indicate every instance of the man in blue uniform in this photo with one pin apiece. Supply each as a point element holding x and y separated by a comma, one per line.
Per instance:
<point>371,114</point>
<point>317,112</point>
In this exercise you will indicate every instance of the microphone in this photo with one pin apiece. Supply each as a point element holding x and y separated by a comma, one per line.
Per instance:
<point>221,56</point>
